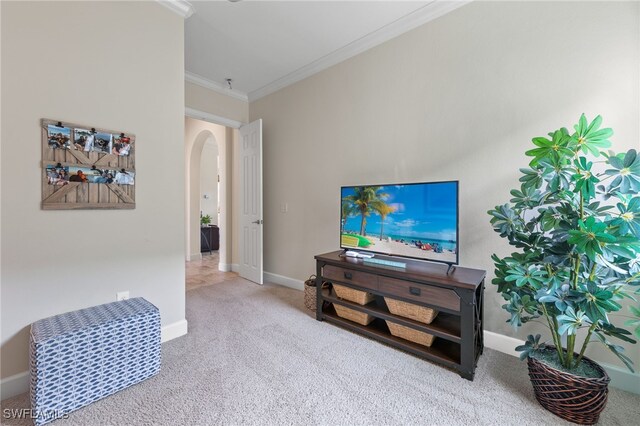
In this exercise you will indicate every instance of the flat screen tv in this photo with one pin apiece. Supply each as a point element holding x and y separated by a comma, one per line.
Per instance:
<point>414,220</point>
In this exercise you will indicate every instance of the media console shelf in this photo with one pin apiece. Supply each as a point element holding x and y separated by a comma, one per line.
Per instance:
<point>457,296</point>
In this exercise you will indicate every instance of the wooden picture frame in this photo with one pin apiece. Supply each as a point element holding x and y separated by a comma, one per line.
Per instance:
<point>108,174</point>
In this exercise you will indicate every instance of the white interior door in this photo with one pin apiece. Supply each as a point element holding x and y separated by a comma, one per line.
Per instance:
<point>251,202</point>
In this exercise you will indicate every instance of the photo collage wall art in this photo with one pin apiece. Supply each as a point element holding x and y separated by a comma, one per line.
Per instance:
<point>60,137</point>
<point>61,175</point>
<point>85,167</point>
<point>88,140</point>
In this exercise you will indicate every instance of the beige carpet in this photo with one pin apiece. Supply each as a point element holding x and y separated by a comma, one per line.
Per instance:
<point>255,356</point>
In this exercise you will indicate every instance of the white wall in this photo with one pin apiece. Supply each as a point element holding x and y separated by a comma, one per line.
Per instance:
<point>212,102</point>
<point>458,98</point>
<point>209,180</point>
<point>115,65</point>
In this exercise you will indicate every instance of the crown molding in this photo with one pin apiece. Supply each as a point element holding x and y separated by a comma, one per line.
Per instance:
<point>212,118</point>
<point>429,12</point>
<point>216,87</point>
<point>180,7</point>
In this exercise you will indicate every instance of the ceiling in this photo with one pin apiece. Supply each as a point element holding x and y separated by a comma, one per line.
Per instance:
<point>266,45</point>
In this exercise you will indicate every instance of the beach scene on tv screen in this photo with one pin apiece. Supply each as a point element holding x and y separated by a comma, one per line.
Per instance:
<point>415,220</point>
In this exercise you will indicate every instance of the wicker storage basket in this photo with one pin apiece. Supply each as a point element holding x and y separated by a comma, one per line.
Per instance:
<point>310,293</point>
<point>409,310</point>
<point>355,316</point>
<point>415,336</point>
<point>356,296</point>
<point>573,398</point>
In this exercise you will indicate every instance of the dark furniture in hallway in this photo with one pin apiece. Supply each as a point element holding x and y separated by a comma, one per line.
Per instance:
<point>209,238</point>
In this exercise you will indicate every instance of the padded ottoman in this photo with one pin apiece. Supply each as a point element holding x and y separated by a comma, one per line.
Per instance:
<point>79,357</point>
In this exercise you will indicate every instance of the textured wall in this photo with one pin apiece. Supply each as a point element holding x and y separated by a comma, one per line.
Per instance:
<point>458,98</point>
<point>206,100</point>
<point>117,65</point>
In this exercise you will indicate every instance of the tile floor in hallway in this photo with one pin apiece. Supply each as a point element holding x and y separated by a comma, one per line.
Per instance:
<point>205,272</point>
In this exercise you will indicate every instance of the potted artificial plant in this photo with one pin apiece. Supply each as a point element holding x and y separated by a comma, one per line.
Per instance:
<point>205,220</point>
<point>576,224</point>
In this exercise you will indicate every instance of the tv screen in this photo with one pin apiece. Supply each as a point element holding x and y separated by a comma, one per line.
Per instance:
<point>416,220</point>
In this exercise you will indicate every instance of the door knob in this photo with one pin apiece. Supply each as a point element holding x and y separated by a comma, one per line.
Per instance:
<point>257,222</point>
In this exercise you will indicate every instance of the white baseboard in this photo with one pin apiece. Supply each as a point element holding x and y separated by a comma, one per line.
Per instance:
<point>197,256</point>
<point>283,281</point>
<point>620,378</point>
<point>19,383</point>
<point>502,343</point>
<point>228,267</point>
<point>171,331</point>
<point>14,385</point>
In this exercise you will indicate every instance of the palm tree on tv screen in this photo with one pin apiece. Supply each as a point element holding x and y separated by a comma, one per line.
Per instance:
<point>383,210</point>
<point>348,209</point>
<point>367,199</point>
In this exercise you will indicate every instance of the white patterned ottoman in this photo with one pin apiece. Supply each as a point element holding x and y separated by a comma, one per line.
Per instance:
<point>79,357</point>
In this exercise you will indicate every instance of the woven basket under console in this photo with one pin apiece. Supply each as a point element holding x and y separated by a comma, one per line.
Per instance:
<point>355,296</point>
<point>355,316</point>
<point>409,310</point>
<point>415,336</point>
<point>310,292</point>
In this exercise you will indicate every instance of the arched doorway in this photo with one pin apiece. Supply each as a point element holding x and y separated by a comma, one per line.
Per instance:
<point>206,175</point>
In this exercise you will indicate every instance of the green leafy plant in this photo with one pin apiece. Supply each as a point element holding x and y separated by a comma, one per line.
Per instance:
<point>531,345</point>
<point>576,222</point>
<point>205,220</point>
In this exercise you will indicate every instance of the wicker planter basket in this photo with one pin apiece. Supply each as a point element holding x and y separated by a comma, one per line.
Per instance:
<point>355,316</point>
<point>415,336</point>
<point>411,311</point>
<point>355,296</point>
<point>573,398</point>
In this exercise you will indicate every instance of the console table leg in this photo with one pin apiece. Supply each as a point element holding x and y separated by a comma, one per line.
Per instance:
<point>467,375</point>
<point>319,301</point>
<point>467,334</point>
<point>480,308</point>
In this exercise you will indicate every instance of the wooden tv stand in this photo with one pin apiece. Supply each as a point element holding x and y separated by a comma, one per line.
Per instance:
<point>457,296</point>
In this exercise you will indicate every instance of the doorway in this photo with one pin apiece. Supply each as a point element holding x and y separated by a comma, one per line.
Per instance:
<point>238,146</point>
<point>207,203</point>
